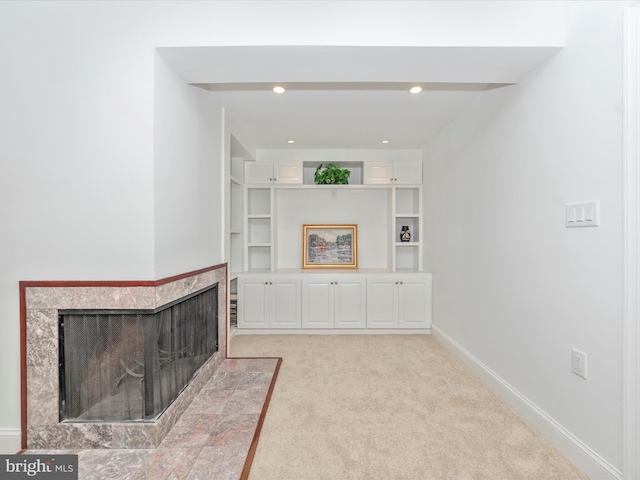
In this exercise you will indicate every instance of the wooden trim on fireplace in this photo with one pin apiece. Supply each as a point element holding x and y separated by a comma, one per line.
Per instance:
<point>163,281</point>
<point>227,320</point>
<point>24,284</point>
<point>256,435</point>
<point>23,365</point>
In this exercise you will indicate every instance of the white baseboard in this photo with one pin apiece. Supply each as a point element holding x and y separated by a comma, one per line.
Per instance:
<point>574,449</point>
<point>10,441</point>
<point>333,331</point>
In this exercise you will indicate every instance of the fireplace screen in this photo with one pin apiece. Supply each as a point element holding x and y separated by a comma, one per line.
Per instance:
<point>130,365</point>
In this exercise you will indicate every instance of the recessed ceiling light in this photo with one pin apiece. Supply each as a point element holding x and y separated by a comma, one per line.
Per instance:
<point>291,141</point>
<point>278,89</point>
<point>385,141</point>
<point>415,89</point>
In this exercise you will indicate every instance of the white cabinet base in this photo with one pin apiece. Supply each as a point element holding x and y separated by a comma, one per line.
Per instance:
<point>313,302</point>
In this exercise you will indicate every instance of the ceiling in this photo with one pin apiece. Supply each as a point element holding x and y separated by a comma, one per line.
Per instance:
<point>345,116</point>
<point>349,97</point>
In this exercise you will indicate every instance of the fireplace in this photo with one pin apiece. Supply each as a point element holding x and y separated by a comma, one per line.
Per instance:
<point>128,365</point>
<point>123,314</point>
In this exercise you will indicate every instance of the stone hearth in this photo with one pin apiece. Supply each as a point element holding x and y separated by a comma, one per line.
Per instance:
<point>41,302</point>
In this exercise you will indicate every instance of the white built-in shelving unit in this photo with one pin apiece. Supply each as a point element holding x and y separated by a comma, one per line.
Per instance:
<point>388,290</point>
<point>236,228</point>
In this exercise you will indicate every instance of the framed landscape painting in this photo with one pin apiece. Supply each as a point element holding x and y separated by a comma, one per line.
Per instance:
<point>329,246</point>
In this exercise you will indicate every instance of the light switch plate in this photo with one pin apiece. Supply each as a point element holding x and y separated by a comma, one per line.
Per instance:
<point>582,214</point>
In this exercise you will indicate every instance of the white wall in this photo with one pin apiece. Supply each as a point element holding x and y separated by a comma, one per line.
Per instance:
<point>189,205</point>
<point>512,285</point>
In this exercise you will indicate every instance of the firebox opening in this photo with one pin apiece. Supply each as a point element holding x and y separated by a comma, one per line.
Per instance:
<point>130,365</point>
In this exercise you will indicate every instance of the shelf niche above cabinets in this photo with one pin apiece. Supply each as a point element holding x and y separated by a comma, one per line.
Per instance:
<point>367,208</point>
<point>355,177</point>
<point>274,217</point>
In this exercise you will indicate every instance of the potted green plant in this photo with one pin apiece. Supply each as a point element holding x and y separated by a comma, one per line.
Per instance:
<point>331,175</point>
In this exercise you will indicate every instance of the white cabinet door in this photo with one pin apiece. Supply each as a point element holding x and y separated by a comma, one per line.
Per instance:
<point>285,303</point>
<point>287,172</point>
<point>349,300</point>
<point>399,301</point>
<point>414,302</point>
<point>253,303</point>
<point>377,173</point>
<point>317,303</point>
<point>382,302</point>
<point>258,172</point>
<point>334,302</point>
<point>268,302</point>
<point>396,173</point>
<point>407,173</point>
<point>272,172</point>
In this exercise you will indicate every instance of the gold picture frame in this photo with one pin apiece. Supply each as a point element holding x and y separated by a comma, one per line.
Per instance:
<point>330,246</point>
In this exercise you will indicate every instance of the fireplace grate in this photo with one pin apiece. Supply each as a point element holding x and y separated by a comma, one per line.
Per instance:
<point>128,366</point>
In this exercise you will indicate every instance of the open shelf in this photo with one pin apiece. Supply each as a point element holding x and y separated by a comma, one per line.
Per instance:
<point>259,230</point>
<point>407,201</point>
<point>413,223</point>
<point>407,256</point>
<point>309,170</point>
<point>259,201</point>
<point>259,257</point>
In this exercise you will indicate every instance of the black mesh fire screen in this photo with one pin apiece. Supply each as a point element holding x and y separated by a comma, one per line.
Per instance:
<point>127,366</point>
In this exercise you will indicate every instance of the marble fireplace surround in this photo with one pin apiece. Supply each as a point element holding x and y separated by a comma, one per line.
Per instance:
<point>39,305</point>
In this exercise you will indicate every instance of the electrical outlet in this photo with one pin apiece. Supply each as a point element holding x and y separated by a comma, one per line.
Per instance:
<point>579,363</point>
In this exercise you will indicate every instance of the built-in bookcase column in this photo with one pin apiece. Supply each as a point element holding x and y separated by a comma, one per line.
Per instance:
<point>236,216</point>
<point>407,212</point>
<point>258,229</point>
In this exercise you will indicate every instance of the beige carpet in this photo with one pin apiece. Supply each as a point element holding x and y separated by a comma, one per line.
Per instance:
<point>388,407</point>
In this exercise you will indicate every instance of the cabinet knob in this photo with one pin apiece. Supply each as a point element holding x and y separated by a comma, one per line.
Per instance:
<point>267,283</point>
<point>391,179</point>
<point>270,283</point>
<point>397,282</point>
